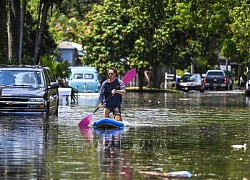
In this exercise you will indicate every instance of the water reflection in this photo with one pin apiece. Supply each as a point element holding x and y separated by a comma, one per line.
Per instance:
<point>248,101</point>
<point>109,152</point>
<point>89,99</point>
<point>168,132</point>
<point>23,144</point>
<point>110,155</point>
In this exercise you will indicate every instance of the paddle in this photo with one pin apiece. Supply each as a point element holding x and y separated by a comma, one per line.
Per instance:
<point>126,79</point>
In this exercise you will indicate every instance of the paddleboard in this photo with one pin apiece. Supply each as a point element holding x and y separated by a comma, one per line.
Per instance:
<point>108,132</point>
<point>107,123</point>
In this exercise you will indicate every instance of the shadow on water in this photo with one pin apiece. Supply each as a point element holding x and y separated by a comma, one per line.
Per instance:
<point>190,132</point>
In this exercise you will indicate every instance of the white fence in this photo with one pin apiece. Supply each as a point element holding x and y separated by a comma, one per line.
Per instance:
<point>169,81</point>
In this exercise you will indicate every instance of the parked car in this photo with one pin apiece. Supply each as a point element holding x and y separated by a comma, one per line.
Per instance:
<point>191,82</point>
<point>247,87</point>
<point>84,79</point>
<point>218,79</point>
<point>28,89</point>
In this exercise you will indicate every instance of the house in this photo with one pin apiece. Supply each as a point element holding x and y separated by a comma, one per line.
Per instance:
<point>71,52</point>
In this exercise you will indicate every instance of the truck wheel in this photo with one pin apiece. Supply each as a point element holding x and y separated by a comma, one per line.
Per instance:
<point>47,110</point>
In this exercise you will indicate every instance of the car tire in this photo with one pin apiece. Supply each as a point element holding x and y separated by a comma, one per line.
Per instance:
<point>47,110</point>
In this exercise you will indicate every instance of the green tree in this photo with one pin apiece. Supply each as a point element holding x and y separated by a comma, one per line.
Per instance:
<point>240,28</point>
<point>155,33</point>
<point>104,36</point>
<point>21,37</point>
<point>68,20</point>
<point>59,68</point>
<point>239,43</point>
<point>204,30</point>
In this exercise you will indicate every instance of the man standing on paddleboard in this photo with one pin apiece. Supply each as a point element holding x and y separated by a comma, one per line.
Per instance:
<point>111,93</point>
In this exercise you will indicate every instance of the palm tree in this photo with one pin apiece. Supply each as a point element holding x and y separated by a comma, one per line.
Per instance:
<point>61,70</point>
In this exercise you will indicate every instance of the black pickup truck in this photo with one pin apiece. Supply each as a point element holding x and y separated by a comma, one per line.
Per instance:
<point>218,79</point>
<point>28,89</point>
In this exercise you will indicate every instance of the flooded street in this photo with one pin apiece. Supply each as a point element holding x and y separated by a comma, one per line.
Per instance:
<point>168,132</point>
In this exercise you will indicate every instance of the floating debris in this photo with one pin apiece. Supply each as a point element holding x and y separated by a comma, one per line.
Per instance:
<point>177,174</point>
<point>180,174</point>
<point>240,146</point>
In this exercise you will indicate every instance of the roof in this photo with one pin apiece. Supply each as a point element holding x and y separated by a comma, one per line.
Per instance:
<point>27,67</point>
<point>69,44</point>
<point>83,68</point>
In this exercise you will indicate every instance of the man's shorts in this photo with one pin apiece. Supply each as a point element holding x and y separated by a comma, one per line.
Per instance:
<point>116,111</point>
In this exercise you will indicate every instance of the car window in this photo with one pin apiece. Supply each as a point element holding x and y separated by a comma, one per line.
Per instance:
<point>21,78</point>
<point>89,76</point>
<point>196,77</point>
<point>215,73</point>
<point>7,78</point>
<point>47,76</point>
<point>185,78</point>
<point>38,76</point>
<point>86,76</point>
<point>28,78</point>
<point>192,78</point>
<point>189,79</point>
<point>78,76</point>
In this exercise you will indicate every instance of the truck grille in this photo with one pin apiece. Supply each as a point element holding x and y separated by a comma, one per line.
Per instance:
<point>13,103</point>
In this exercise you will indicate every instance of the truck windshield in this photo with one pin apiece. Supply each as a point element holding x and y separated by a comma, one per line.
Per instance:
<point>21,78</point>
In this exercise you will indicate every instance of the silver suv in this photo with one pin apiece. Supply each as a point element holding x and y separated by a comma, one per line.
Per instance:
<point>28,89</point>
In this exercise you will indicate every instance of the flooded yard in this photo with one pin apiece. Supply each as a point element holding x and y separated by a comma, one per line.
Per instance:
<point>168,132</point>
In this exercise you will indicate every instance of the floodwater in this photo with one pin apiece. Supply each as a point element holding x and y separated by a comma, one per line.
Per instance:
<point>168,132</point>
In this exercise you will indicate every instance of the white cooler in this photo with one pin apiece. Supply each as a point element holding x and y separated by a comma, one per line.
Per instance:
<point>64,95</point>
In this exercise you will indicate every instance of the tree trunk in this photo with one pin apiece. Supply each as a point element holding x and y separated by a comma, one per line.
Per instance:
<point>158,76</point>
<point>3,33</point>
<point>141,78</point>
<point>23,10</point>
<point>43,11</point>
<point>14,30</point>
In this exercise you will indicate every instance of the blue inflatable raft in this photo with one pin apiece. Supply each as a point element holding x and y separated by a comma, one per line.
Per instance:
<point>108,123</point>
